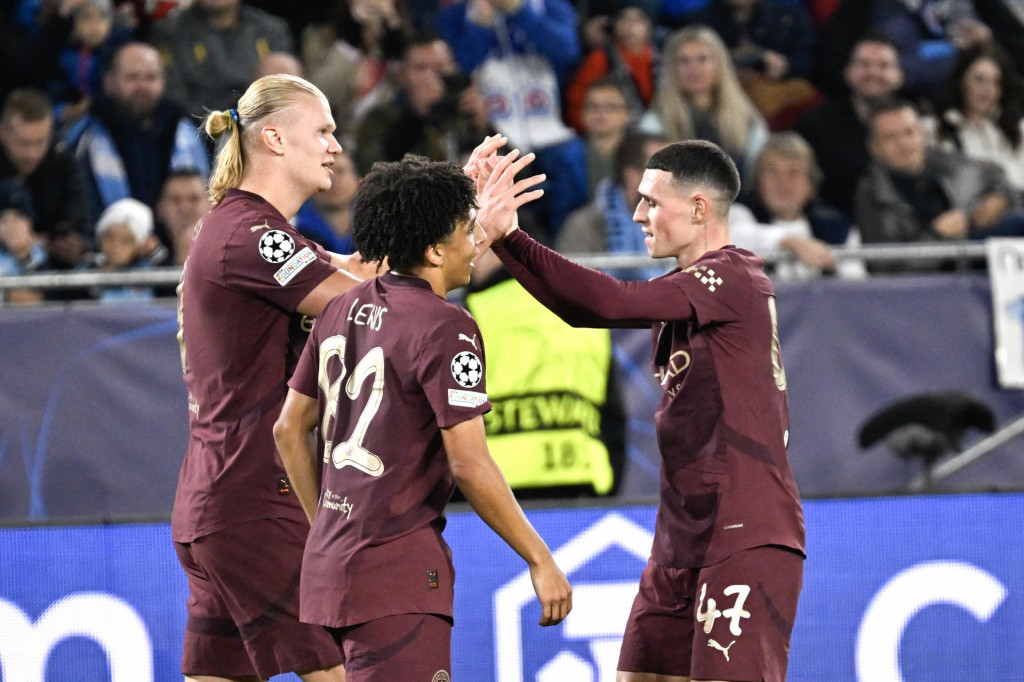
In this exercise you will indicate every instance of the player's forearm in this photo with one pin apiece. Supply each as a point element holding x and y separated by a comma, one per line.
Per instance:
<point>486,489</point>
<point>300,465</point>
<point>581,296</point>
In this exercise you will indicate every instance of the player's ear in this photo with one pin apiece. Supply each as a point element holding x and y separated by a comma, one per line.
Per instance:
<point>700,208</point>
<point>272,138</point>
<point>433,255</point>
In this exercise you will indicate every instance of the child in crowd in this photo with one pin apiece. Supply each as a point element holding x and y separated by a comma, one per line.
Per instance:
<point>625,53</point>
<point>126,241</point>
<point>21,249</point>
<point>81,64</point>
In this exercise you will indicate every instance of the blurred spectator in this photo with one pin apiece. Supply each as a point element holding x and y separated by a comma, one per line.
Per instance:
<point>52,176</point>
<point>605,119</point>
<point>327,217</point>
<point>837,130</point>
<point>770,42</point>
<point>928,34</point>
<point>435,112</point>
<point>278,62</point>
<point>183,201</point>
<point>28,54</point>
<point>821,11</point>
<point>674,12</point>
<point>605,225</point>
<point>1006,20</point>
<point>626,55</point>
<point>983,113</point>
<point>537,361</point>
<point>139,15</point>
<point>82,63</point>
<point>520,54</point>
<point>781,213</point>
<point>912,193</point>
<point>848,25</point>
<point>700,97</point>
<point>596,16</point>
<point>134,136</point>
<point>21,249</point>
<point>126,242</point>
<point>211,50</point>
<point>348,55</point>
<point>298,15</point>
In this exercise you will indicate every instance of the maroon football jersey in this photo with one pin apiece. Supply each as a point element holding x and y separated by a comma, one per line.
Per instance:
<point>723,420</point>
<point>392,364</point>
<point>246,272</point>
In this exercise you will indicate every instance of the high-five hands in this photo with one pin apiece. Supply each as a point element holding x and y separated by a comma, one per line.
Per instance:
<point>485,150</point>
<point>499,196</point>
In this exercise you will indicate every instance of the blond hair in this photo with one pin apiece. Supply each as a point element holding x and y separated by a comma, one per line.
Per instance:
<point>732,112</point>
<point>266,96</point>
<point>790,145</point>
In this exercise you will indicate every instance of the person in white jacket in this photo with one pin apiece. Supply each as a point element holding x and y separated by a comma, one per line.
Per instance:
<point>781,213</point>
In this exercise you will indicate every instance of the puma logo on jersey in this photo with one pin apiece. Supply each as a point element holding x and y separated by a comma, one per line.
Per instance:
<point>471,341</point>
<point>264,226</point>
<point>725,650</point>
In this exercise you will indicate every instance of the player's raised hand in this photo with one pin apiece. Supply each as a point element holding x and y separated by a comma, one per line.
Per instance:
<point>553,591</point>
<point>485,150</point>
<point>501,196</point>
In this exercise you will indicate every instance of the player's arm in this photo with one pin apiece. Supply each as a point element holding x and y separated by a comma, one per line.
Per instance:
<point>293,435</point>
<point>334,285</point>
<point>485,487</point>
<point>581,296</point>
<point>584,297</point>
<point>353,264</point>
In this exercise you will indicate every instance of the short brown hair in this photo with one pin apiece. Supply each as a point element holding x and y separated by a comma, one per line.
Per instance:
<point>28,104</point>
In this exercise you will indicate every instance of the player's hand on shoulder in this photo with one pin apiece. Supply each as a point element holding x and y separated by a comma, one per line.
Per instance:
<point>354,265</point>
<point>553,591</point>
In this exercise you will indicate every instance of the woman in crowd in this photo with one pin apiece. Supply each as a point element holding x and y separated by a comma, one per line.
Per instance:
<point>984,113</point>
<point>699,97</point>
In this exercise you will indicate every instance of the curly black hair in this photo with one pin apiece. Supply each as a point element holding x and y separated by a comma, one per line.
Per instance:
<point>402,207</point>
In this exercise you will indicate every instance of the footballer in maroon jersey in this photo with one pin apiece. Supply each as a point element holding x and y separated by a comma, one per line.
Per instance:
<point>393,379</point>
<point>248,285</point>
<point>718,598</point>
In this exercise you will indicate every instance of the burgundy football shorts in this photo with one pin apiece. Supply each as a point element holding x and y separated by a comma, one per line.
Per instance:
<point>412,647</point>
<point>243,606</point>
<point>728,621</point>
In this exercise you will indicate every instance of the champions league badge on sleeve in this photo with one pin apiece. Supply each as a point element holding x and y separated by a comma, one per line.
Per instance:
<point>276,246</point>
<point>467,370</point>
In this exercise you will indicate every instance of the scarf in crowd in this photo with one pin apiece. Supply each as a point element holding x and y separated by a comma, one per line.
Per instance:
<point>97,145</point>
<point>623,235</point>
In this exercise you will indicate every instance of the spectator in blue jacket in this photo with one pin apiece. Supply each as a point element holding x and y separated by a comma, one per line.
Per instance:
<point>928,34</point>
<point>134,137</point>
<point>520,53</point>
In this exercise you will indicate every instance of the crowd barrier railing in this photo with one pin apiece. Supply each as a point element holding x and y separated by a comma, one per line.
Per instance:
<point>960,252</point>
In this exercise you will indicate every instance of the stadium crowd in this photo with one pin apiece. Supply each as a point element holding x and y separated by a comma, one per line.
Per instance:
<point>852,121</point>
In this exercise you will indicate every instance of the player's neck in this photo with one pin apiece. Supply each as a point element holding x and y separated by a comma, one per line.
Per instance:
<point>432,276</point>
<point>713,238</point>
<point>281,195</point>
